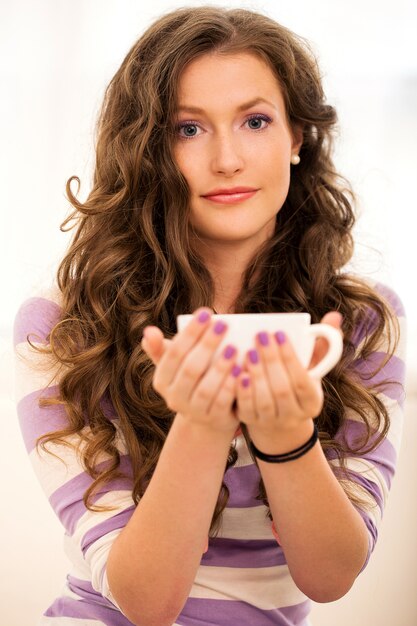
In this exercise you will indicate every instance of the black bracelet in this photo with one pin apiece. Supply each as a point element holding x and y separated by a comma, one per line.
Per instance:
<point>288,456</point>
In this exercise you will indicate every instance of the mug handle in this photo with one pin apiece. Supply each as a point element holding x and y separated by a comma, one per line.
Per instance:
<point>334,351</point>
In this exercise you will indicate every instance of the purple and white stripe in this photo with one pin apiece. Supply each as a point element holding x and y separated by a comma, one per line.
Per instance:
<point>243,577</point>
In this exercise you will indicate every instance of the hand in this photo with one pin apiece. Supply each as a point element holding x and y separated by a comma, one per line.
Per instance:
<point>275,393</point>
<point>186,377</point>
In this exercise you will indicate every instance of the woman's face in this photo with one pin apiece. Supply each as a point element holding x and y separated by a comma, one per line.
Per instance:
<point>233,142</point>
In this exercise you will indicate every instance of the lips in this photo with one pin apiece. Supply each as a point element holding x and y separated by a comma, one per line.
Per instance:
<point>230,191</point>
<point>230,196</point>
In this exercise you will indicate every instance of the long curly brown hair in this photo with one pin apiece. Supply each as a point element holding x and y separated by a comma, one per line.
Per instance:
<point>130,263</point>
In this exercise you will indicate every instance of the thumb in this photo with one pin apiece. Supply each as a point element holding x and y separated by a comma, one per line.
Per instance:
<point>153,343</point>
<point>335,319</point>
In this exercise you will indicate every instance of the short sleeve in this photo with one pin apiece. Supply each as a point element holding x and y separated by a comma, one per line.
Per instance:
<point>88,534</point>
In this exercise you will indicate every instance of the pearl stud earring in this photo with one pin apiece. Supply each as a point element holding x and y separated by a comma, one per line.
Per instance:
<point>295,159</point>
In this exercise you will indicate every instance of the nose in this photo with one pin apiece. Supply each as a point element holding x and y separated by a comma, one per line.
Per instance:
<point>227,155</point>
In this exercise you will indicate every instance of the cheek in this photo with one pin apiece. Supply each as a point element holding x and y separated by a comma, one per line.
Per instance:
<point>279,183</point>
<point>187,166</point>
<point>281,158</point>
<point>276,156</point>
<point>177,158</point>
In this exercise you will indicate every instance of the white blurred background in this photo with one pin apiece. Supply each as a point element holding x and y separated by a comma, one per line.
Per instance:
<point>56,58</point>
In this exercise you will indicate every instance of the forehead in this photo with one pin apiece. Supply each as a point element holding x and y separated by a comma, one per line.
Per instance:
<point>232,79</point>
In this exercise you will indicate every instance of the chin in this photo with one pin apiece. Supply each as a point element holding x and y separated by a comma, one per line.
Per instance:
<point>230,237</point>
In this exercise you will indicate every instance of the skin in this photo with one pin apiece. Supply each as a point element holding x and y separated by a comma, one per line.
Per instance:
<point>276,397</point>
<point>222,147</point>
<point>323,536</point>
<point>228,149</point>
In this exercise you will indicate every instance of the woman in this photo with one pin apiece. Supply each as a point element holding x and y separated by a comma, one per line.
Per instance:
<point>214,191</point>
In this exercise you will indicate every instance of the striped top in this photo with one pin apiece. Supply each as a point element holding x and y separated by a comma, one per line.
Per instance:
<point>243,577</point>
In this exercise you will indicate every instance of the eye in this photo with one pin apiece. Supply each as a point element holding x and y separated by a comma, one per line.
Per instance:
<point>186,126</point>
<point>258,116</point>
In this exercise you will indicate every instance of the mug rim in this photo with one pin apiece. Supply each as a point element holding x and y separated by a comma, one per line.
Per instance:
<point>294,314</point>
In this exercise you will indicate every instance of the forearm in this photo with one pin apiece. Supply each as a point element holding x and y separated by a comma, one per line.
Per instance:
<point>153,562</point>
<point>324,538</point>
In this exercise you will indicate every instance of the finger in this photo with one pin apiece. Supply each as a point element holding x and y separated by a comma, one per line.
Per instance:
<point>245,402</point>
<point>307,391</point>
<point>153,342</point>
<point>226,392</point>
<point>194,365</point>
<point>335,319</point>
<point>279,382</point>
<point>180,345</point>
<point>225,369</point>
<point>264,402</point>
<point>206,390</point>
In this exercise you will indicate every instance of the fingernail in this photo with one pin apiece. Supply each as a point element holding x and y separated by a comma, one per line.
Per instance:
<point>245,382</point>
<point>236,370</point>
<point>263,338</point>
<point>229,352</point>
<point>253,356</point>
<point>219,327</point>
<point>280,337</point>
<point>203,316</point>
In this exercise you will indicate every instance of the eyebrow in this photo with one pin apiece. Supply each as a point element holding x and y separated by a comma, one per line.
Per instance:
<point>241,107</point>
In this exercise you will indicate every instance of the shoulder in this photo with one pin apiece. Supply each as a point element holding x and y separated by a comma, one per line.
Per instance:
<point>390,296</point>
<point>365,285</point>
<point>36,316</point>
<point>369,318</point>
<point>367,315</point>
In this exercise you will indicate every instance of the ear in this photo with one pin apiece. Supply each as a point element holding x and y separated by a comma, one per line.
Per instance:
<point>297,135</point>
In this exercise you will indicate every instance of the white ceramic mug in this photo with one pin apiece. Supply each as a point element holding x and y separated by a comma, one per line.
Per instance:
<point>242,328</point>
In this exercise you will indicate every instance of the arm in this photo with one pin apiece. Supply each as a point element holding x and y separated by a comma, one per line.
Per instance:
<point>168,532</point>
<point>145,567</point>
<point>153,563</point>
<point>323,536</point>
<point>326,539</point>
<point>89,534</point>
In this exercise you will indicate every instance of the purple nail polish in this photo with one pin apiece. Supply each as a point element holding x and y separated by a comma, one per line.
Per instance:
<point>263,338</point>
<point>236,370</point>
<point>203,316</point>
<point>245,382</point>
<point>229,352</point>
<point>280,337</point>
<point>219,327</point>
<point>253,356</point>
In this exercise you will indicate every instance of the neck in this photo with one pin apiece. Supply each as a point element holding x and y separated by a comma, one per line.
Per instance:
<point>226,263</point>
